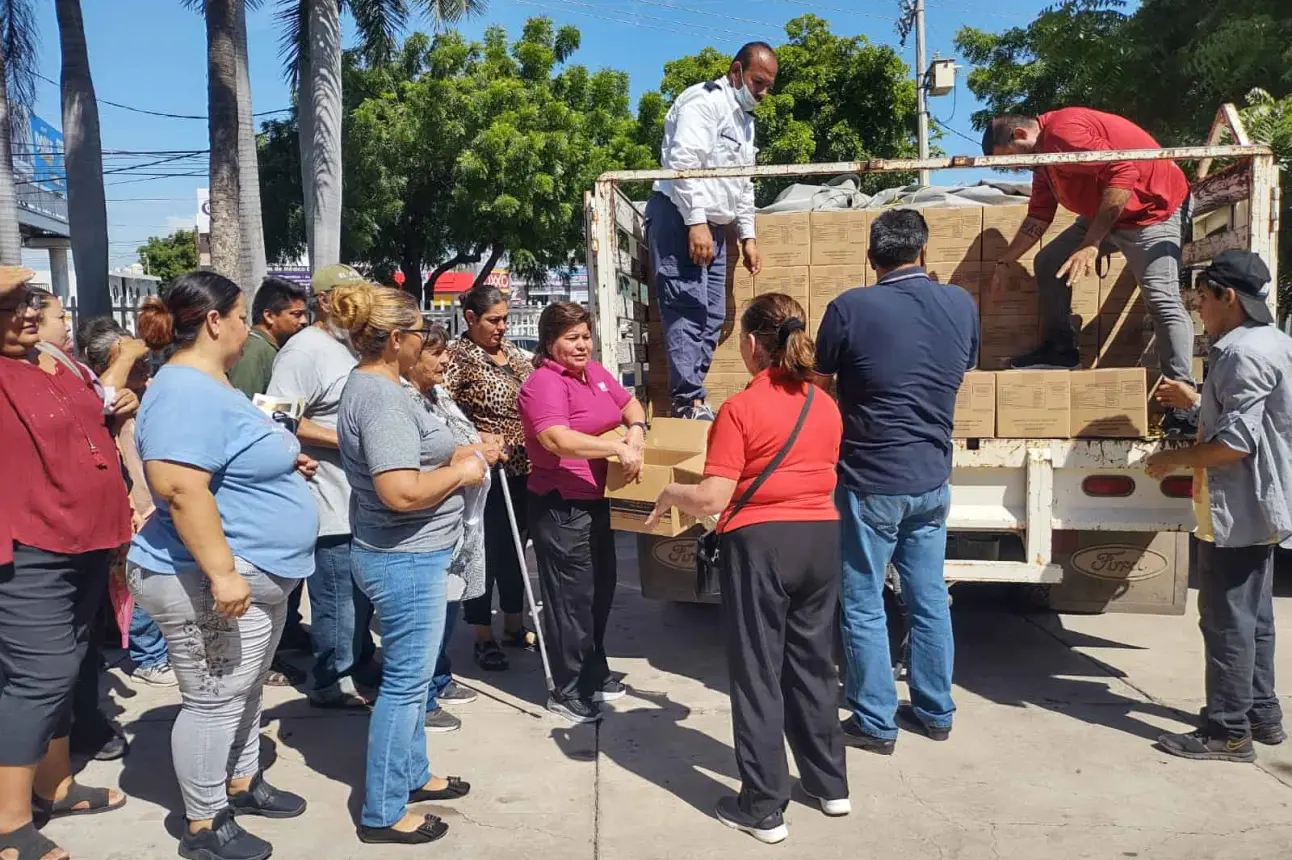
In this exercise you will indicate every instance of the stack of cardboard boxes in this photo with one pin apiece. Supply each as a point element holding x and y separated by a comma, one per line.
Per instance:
<point>815,256</point>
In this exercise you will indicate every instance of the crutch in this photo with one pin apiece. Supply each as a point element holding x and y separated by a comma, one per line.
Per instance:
<point>524,575</point>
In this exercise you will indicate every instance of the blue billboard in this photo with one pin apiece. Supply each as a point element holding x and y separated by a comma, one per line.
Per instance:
<point>48,171</point>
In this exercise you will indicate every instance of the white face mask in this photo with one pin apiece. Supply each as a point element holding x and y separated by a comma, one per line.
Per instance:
<point>744,97</point>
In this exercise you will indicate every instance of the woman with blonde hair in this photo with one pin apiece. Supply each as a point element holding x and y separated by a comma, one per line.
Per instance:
<point>407,474</point>
<point>770,473</point>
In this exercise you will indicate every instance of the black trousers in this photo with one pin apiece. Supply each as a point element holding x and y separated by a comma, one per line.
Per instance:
<point>48,605</point>
<point>780,599</point>
<point>502,568</point>
<point>1236,615</point>
<point>577,573</point>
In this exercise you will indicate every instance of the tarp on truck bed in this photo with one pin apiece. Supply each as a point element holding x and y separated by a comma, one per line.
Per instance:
<point>843,192</point>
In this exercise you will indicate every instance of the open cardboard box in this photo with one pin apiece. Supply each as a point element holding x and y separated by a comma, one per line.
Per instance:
<point>674,453</point>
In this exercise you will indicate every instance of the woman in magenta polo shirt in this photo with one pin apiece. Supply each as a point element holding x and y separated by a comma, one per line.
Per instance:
<point>567,403</point>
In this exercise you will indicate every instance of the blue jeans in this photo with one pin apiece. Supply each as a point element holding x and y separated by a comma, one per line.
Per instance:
<point>443,667</point>
<point>340,615</point>
<point>408,592</point>
<point>692,299</point>
<point>910,531</point>
<point>147,646</point>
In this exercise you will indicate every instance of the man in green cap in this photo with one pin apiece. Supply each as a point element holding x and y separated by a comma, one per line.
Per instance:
<point>313,367</point>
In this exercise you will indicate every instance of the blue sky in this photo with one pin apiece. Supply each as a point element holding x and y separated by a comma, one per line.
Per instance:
<point>151,54</point>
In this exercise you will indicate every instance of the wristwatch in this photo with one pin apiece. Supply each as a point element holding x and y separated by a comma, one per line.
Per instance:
<point>641,424</point>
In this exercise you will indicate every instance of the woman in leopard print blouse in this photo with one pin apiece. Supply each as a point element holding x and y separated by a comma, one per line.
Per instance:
<point>484,376</point>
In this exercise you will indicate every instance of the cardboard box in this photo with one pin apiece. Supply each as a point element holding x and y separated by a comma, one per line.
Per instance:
<point>793,281</point>
<point>674,453</point>
<point>999,226</point>
<point>1063,219</point>
<point>1118,289</point>
<point>784,239</point>
<point>827,282</point>
<point>726,358</point>
<point>666,568</point>
<point>1109,403</point>
<point>955,234</point>
<point>840,237</point>
<point>972,277</point>
<point>722,386</point>
<point>1121,339</point>
<point>1018,296</point>
<point>1085,296</point>
<point>1033,404</point>
<point>1088,342</point>
<point>975,416</point>
<point>1003,338</point>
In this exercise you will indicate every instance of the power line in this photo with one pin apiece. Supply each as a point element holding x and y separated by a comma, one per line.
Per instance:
<point>683,27</point>
<point>163,114</point>
<point>822,7</point>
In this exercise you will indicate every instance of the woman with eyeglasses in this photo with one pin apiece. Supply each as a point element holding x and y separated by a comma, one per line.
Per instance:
<point>407,475</point>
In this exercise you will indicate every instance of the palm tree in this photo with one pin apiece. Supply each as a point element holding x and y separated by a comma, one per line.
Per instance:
<point>250,217</point>
<point>222,126</point>
<point>312,45</point>
<point>17,85</point>
<point>86,207</point>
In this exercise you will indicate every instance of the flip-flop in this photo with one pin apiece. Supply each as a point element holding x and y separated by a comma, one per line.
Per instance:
<point>30,843</point>
<point>98,800</point>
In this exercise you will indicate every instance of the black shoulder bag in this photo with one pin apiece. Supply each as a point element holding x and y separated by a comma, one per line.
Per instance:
<point>707,553</point>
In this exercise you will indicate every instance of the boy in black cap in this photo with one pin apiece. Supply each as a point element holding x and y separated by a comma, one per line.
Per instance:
<point>1242,468</point>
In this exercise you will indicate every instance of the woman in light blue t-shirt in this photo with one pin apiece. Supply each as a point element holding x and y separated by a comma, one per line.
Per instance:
<point>234,531</point>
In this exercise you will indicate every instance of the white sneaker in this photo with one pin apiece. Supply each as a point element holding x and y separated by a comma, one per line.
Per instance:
<point>833,808</point>
<point>161,675</point>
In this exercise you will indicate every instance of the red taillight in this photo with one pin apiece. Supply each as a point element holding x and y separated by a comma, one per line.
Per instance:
<point>1178,486</point>
<point>1108,486</point>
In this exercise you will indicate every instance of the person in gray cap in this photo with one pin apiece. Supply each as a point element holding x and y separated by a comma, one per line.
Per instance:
<point>1242,478</point>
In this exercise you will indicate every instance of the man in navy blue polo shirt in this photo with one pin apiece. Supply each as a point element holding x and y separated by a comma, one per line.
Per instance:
<point>899,350</point>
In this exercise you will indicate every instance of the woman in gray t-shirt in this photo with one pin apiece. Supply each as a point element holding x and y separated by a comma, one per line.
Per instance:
<point>407,475</point>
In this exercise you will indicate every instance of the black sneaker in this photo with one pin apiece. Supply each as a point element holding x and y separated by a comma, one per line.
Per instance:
<point>1048,358</point>
<point>855,736</point>
<point>574,710</point>
<point>1178,425</point>
<point>440,721</point>
<point>456,694</point>
<point>226,840</point>
<point>1202,745</point>
<point>769,830</point>
<point>266,801</point>
<point>909,720</point>
<point>1269,733</point>
<point>610,691</point>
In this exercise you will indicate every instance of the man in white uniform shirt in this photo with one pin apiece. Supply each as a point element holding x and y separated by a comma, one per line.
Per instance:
<point>687,220</point>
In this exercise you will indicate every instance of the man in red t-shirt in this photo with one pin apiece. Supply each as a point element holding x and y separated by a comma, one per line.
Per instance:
<point>1128,206</point>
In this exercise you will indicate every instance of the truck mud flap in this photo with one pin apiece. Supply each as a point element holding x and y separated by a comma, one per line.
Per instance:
<point>1132,572</point>
<point>666,567</point>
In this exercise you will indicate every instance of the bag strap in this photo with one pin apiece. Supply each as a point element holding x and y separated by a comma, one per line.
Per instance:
<point>780,455</point>
<point>61,357</point>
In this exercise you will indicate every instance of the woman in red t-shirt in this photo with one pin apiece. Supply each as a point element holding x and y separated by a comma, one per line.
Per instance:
<point>779,568</point>
<point>64,500</point>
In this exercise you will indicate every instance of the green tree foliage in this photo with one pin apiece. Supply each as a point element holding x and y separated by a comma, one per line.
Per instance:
<point>837,98</point>
<point>167,257</point>
<point>1168,65</point>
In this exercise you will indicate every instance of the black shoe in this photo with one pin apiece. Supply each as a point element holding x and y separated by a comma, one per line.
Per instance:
<point>1202,745</point>
<point>429,830</point>
<point>101,741</point>
<point>574,710</point>
<point>440,721</point>
<point>909,720</point>
<point>226,840</point>
<point>1178,425</point>
<point>455,790</point>
<point>1048,358</point>
<point>769,830</point>
<point>1263,732</point>
<point>610,691</point>
<point>266,801</point>
<point>855,736</point>
<point>456,694</point>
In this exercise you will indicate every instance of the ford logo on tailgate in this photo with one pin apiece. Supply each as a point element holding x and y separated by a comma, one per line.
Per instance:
<point>1120,562</point>
<point>677,554</point>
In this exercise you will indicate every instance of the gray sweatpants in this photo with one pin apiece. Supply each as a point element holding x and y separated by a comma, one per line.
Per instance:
<point>220,664</point>
<point>1153,257</point>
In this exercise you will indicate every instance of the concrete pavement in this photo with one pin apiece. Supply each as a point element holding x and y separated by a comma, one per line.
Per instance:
<point>1051,756</point>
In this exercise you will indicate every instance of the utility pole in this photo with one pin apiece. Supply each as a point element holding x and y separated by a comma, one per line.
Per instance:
<point>921,89</point>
